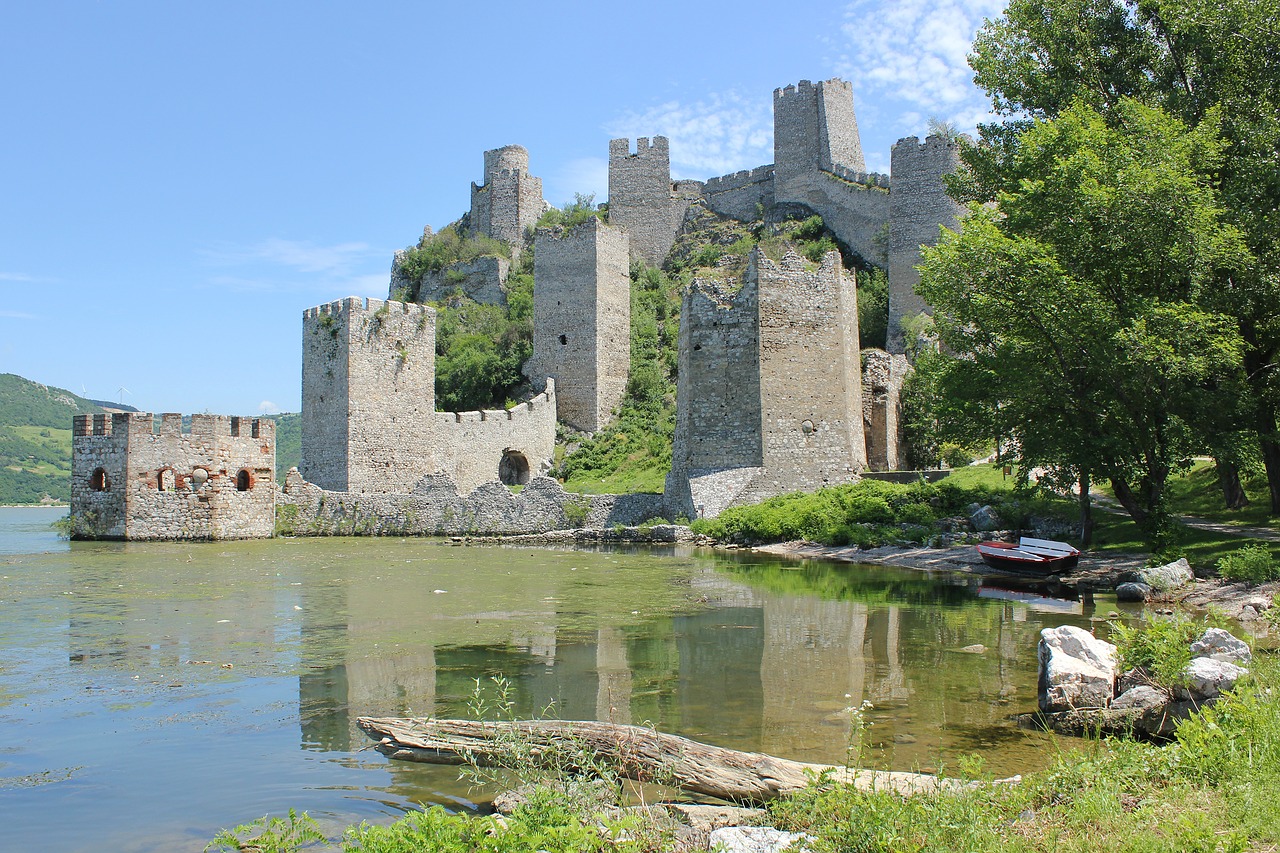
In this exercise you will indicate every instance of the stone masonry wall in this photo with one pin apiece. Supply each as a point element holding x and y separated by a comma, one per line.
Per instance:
<point>918,205</point>
<point>510,201</point>
<point>470,446</point>
<point>642,198</point>
<point>483,280</point>
<point>131,482</point>
<point>814,129</point>
<point>435,507</point>
<point>741,194</point>
<point>882,378</point>
<point>582,320</point>
<point>368,394</point>
<point>810,375</point>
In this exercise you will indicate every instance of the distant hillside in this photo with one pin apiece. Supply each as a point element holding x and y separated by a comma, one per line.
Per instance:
<point>288,442</point>
<point>35,440</point>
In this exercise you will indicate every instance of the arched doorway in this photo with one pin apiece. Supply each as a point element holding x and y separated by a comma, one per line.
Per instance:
<point>513,470</point>
<point>244,480</point>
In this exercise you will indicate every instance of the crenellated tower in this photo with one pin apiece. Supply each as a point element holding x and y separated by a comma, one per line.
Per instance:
<point>814,130</point>
<point>368,394</point>
<point>918,207</point>
<point>643,200</point>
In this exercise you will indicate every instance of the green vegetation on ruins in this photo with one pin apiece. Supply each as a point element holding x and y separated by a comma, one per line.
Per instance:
<point>453,244</point>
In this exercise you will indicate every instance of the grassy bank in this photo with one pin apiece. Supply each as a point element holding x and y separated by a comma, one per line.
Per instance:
<point>1209,791</point>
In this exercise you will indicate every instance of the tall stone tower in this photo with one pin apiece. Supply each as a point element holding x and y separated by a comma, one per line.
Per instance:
<point>582,321</point>
<point>814,130</point>
<point>770,388</point>
<point>510,201</point>
<point>368,394</point>
<point>918,205</point>
<point>642,198</point>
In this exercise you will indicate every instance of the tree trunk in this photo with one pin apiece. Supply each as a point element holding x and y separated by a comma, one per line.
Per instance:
<point>1086,512</point>
<point>1271,461</point>
<point>632,752</point>
<point>1233,496</point>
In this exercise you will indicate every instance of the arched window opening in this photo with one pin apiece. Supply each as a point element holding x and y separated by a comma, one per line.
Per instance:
<point>99,481</point>
<point>513,470</point>
<point>244,480</point>
<point>165,480</point>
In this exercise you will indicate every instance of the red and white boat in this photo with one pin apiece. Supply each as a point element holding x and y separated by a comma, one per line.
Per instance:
<point>1033,556</point>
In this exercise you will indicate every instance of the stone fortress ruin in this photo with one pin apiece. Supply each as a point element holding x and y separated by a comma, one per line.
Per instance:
<point>774,394</point>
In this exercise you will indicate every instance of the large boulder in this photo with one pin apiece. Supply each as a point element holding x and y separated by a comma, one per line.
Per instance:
<point>1133,591</point>
<point>1077,670</point>
<point>1142,697</point>
<point>1218,644</point>
<point>985,519</point>
<point>1206,678</point>
<point>756,839</point>
<point>1168,577</point>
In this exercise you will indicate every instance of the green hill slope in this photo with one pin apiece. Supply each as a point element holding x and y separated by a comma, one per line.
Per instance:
<point>35,440</point>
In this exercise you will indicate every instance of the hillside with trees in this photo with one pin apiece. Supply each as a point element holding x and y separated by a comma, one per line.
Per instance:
<point>35,440</point>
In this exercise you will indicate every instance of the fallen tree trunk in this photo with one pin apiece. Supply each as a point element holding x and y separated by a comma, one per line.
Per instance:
<point>643,755</point>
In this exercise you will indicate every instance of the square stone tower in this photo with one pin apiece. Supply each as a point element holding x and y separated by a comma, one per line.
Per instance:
<point>582,321</point>
<point>642,198</point>
<point>368,394</point>
<point>814,129</point>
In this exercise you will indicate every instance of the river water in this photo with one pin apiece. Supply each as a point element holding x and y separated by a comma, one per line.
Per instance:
<point>151,694</point>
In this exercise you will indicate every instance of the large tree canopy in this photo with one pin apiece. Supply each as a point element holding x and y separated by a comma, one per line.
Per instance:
<point>1069,307</point>
<point>1203,61</point>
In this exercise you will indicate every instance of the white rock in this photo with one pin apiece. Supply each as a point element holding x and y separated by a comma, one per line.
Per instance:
<point>1206,678</point>
<point>755,839</point>
<point>1170,576</point>
<point>1077,670</point>
<point>1221,645</point>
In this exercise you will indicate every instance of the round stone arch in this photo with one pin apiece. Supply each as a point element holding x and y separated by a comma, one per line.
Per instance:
<point>513,469</point>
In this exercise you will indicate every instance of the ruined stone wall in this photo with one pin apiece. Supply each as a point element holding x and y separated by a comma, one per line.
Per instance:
<point>132,482</point>
<point>810,375</point>
<point>742,194</point>
<point>882,377</point>
<point>582,320</point>
<point>918,205</point>
<point>642,198</point>
<point>769,397</point>
<point>855,212</point>
<point>484,280</point>
<point>510,201</point>
<point>717,446</point>
<point>434,506</point>
<point>368,394</point>
<point>814,129</point>
<point>511,445</point>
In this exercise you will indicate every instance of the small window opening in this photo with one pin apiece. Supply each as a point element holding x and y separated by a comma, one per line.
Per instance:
<point>564,339</point>
<point>165,480</point>
<point>99,481</point>
<point>513,470</point>
<point>244,480</point>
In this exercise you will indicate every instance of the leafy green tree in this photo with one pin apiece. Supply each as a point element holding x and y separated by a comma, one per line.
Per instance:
<point>1212,61</point>
<point>1070,308</point>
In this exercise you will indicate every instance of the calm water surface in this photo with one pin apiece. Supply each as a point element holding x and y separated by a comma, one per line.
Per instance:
<point>153,694</point>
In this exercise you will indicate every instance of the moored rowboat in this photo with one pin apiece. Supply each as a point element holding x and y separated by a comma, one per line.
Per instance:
<point>1033,556</point>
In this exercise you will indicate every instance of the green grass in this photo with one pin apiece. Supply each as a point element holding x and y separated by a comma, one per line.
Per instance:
<point>1196,493</point>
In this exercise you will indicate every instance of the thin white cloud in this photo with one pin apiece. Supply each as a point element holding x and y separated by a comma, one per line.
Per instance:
<point>723,133</point>
<point>266,407</point>
<point>16,276</point>
<point>18,315</point>
<point>915,53</point>
<point>299,255</point>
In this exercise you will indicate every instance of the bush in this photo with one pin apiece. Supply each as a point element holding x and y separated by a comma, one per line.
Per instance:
<point>1161,647</point>
<point>1251,564</point>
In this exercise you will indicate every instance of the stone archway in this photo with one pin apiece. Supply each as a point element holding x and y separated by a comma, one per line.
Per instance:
<point>513,470</point>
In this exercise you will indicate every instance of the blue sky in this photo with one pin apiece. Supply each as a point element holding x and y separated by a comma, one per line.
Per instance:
<point>181,180</point>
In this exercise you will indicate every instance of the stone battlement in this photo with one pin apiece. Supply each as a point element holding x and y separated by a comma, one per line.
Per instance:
<point>806,88</point>
<point>869,179</point>
<point>355,305</point>
<point>121,425</point>
<point>658,146</point>
<point>910,148</point>
<point>535,405</point>
<point>738,180</point>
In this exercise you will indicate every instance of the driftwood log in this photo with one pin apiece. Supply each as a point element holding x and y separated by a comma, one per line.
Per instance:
<point>641,754</point>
